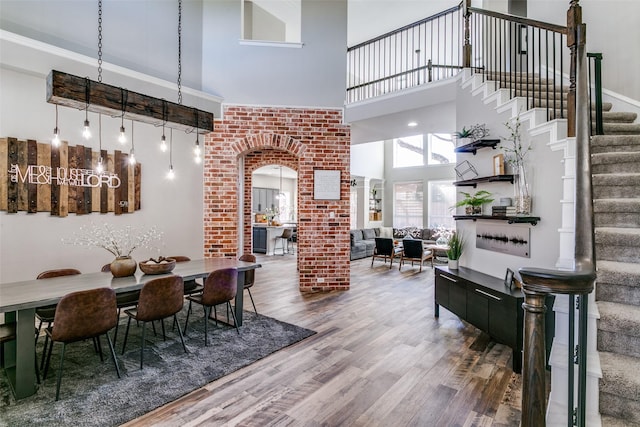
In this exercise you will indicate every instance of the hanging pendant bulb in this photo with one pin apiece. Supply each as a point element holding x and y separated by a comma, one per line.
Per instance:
<point>132,156</point>
<point>197,152</point>
<point>170,174</point>
<point>163,143</point>
<point>100,165</point>
<point>55,141</point>
<point>122,138</point>
<point>86,132</point>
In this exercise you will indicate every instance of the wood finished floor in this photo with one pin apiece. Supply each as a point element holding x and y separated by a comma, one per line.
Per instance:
<point>379,358</point>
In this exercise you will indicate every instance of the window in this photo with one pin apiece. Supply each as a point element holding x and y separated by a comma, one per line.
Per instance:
<point>441,146</point>
<point>272,20</point>
<point>407,204</point>
<point>408,151</point>
<point>442,195</point>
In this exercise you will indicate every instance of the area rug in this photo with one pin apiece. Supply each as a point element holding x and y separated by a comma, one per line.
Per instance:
<point>92,395</point>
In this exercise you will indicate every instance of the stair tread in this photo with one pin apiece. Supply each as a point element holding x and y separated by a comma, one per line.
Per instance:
<point>604,140</point>
<point>618,230</point>
<point>609,421</point>
<point>631,205</point>
<point>619,318</point>
<point>615,157</point>
<point>617,266</point>
<point>619,375</point>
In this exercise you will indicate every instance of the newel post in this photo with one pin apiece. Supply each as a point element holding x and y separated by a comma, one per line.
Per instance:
<point>466,49</point>
<point>574,21</point>
<point>533,371</point>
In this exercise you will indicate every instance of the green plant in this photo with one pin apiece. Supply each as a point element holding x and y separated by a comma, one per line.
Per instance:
<point>475,132</point>
<point>456,245</point>
<point>478,199</point>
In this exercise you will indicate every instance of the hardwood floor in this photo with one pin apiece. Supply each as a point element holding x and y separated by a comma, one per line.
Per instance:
<point>379,358</point>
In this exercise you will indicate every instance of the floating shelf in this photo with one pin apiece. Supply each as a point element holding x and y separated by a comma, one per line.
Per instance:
<point>533,220</point>
<point>475,145</point>
<point>474,181</point>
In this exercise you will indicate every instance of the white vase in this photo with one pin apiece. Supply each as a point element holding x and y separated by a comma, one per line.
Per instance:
<point>453,264</point>
<point>522,199</point>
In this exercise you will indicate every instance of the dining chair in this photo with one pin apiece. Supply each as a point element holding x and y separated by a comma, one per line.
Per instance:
<point>82,315</point>
<point>386,250</point>
<point>413,250</point>
<point>123,300</point>
<point>249,277</point>
<point>45,314</point>
<point>159,298</point>
<point>286,235</point>
<point>220,287</point>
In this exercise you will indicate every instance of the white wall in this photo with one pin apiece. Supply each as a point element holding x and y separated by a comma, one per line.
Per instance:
<point>612,30</point>
<point>30,243</point>
<point>245,73</point>
<point>367,160</point>
<point>546,189</point>
<point>141,35</point>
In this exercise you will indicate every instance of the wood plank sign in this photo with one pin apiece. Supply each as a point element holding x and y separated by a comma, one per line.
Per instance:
<point>37,177</point>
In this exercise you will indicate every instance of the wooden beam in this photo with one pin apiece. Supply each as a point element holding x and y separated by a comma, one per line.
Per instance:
<point>71,91</point>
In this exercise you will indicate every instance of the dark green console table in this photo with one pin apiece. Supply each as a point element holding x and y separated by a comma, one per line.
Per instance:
<point>488,304</point>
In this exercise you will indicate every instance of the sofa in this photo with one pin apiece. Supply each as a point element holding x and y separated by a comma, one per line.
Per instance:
<point>363,241</point>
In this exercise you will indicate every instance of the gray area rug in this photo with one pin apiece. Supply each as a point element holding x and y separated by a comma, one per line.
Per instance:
<point>92,395</point>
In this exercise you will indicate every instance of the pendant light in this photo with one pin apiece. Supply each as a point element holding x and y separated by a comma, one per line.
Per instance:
<point>86,132</point>
<point>132,156</point>
<point>55,141</point>
<point>196,148</point>
<point>163,140</point>
<point>100,165</point>
<point>122,138</point>
<point>170,174</point>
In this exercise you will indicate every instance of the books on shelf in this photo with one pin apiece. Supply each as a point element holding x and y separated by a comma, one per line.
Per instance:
<point>503,211</point>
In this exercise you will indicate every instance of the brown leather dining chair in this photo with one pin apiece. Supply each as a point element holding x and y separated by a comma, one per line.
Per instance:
<point>79,316</point>
<point>220,287</point>
<point>159,298</point>
<point>45,314</point>
<point>249,277</point>
<point>123,300</point>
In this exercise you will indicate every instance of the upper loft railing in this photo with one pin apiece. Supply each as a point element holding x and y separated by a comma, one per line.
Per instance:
<point>425,51</point>
<point>528,58</point>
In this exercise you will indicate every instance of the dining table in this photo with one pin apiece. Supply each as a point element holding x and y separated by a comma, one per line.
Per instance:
<point>18,301</point>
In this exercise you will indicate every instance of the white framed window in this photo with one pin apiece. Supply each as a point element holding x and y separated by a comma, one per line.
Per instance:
<point>408,151</point>
<point>408,204</point>
<point>272,20</point>
<point>442,195</point>
<point>441,149</point>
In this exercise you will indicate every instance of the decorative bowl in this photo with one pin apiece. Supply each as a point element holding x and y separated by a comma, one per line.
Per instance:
<point>150,266</point>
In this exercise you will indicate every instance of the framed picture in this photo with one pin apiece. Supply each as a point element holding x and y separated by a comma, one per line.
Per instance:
<point>498,164</point>
<point>326,184</point>
<point>508,278</point>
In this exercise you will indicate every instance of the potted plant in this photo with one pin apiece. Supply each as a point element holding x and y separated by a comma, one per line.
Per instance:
<point>474,132</point>
<point>456,245</point>
<point>473,202</point>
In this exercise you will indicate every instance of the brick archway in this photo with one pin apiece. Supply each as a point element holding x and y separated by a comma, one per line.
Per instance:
<point>304,139</point>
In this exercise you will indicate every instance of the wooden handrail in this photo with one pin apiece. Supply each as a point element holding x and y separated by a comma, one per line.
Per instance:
<point>537,283</point>
<point>520,20</point>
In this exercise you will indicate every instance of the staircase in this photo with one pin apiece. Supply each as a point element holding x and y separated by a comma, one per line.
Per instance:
<point>616,190</point>
<point>616,187</point>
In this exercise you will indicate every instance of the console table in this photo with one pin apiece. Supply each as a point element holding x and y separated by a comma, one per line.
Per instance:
<point>488,304</point>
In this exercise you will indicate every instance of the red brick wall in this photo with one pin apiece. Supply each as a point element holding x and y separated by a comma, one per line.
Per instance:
<point>299,138</point>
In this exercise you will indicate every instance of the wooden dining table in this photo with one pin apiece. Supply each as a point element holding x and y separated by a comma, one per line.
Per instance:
<point>18,300</point>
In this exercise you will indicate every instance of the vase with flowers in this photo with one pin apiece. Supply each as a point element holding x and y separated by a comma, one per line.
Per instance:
<point>515,155</point>
<point>120,242</point>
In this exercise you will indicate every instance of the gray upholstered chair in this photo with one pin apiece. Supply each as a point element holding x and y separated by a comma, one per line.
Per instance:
<point>220,287</point>
<point>79,316</point>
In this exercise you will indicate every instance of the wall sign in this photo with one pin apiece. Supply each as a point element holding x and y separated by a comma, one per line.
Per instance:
<point>36,177</point>
<point>507,239</point>
<point>326,184</point>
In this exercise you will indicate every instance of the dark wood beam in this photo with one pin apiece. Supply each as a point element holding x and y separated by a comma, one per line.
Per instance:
<point>76,92</point>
